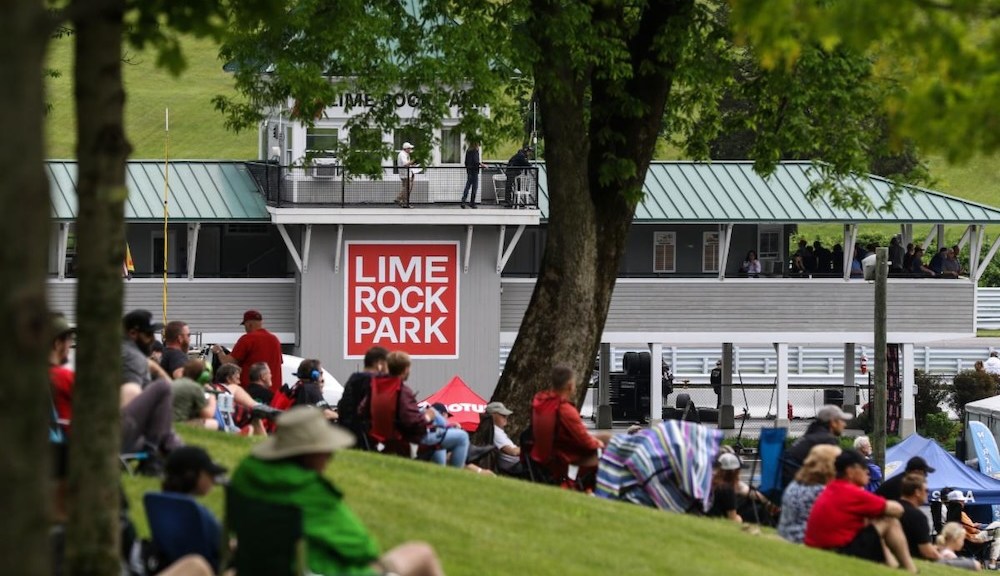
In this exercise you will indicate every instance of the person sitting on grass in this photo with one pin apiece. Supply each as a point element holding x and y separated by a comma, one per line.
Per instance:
<point>949,542</point>
<point>849,520</point>
<point>190,471</point>
<point>450,442</point>
<point>287,469</point>
<point>725,477</point>
<point>191,403</point>
<point>797,502</point>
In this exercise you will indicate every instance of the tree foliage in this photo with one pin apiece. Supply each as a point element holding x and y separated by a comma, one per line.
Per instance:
<point>969,386</point>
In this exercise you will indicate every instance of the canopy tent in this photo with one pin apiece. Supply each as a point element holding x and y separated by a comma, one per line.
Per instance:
<point>464,405</point>
<point>668,466</point>
<point>949,471</point>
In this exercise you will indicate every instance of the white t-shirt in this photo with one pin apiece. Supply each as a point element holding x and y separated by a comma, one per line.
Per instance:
<point>500,439</point>
<point>992,365</point>
<point>403,162</point>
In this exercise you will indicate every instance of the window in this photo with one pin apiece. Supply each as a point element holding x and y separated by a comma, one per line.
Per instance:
<point>664,251</point>
<point>322,142</point>
<point>451,146</point>
<point>769,242</point>
<point>411,135</point>
<point>710,252</point>
<point>288,146</point>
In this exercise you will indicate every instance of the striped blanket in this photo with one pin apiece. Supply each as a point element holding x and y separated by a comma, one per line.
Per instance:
<point>668,466</point>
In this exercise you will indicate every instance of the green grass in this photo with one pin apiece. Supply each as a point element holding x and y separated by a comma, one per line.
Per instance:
<point>196,129</point>
<point>984,333</point>
<point>485,525</point>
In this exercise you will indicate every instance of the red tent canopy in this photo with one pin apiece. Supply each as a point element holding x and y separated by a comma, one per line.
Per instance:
<point>464,404</point>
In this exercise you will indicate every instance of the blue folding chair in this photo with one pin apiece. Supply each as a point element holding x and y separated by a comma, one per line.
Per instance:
<point>180,526</point>
<point>771,447</point>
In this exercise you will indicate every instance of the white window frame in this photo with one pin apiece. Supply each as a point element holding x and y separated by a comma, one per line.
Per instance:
<point>705,243</point>
<point>450,132</point>
<point>767,230</point>
<point>314,132</point>
<point>672,236</point>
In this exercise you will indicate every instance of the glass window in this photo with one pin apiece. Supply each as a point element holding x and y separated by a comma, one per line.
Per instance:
<point>322,142</point>
<point>288,146</point>
<point>710,252</point>
<point>769,242</point>
<point>664,251</point>
<point>411,135</point>
<point>451,146</point>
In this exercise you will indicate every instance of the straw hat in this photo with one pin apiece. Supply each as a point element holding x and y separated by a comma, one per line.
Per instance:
<point>302,430</point>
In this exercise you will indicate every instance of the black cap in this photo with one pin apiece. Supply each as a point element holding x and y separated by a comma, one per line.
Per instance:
<point>849,458</point>
<point>141,320</point>
<point>194,459</point>
<point>918,463</point>
<point>440,407</point>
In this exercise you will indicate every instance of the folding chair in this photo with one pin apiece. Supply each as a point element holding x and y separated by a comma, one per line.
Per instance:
<point>770,449</point>
<point>269,539</point>
<point>180,526</point>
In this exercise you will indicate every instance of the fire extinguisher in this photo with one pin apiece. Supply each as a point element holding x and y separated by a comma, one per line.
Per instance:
<point>864,363</point>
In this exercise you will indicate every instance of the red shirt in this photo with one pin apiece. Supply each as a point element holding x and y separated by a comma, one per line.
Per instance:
<point>62,380</point>
<point>259,346</point>
<point>558,430</point>
<point>839,514</point>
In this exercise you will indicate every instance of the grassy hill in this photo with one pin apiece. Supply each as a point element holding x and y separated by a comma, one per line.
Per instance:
<point>490,525</point>
<point>196,129</point>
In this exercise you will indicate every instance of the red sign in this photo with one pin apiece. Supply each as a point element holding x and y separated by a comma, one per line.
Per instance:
<point>402,297</point>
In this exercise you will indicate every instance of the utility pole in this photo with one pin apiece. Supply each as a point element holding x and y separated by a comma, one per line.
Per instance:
<point>880,392</point>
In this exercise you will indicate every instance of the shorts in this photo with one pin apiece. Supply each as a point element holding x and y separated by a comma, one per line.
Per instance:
<point>867,545</point>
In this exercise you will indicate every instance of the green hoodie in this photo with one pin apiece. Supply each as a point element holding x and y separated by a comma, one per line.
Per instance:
<point>337,543</point>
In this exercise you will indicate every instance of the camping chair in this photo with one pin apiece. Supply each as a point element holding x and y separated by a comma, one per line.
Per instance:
<point>179,527</point>
<point>269,539</point>
<point>770,449</point>
<point>384,407</point>
<point>979,550</point>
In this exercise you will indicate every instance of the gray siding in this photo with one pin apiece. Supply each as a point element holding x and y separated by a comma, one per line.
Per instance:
<point>770,306</point>
<point>323,302</point>
<point>206,305</point>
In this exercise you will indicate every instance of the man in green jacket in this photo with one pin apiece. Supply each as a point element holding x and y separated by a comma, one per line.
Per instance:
<point>287,469</point>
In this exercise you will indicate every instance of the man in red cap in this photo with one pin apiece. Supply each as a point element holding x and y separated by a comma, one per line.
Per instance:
<point>257,345</point>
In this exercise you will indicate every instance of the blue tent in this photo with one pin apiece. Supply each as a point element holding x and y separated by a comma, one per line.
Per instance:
<point>948,472</point>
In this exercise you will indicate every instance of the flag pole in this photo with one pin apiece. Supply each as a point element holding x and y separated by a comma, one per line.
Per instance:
<point>166,195</point>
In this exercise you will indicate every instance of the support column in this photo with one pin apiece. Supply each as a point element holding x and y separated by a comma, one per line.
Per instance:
<point>850,386</point>
<point>908,423</point>
<point>604,389</point>
<point>781,348</point>
<point>727,417</point>
<point>62,243</point>
<point>655,382</point>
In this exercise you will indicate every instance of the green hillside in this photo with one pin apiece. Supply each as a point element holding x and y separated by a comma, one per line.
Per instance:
<point>196,129</point>
<point>490,525</point>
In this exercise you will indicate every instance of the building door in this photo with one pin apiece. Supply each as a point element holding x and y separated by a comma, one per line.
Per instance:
<point>157,251</point>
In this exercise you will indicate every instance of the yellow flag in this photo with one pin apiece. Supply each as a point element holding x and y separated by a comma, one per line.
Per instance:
<point>128,267</point>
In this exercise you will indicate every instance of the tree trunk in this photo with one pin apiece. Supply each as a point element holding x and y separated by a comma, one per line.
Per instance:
<point>591,199</point>
<point>25,212</point>
<point>102,149</point>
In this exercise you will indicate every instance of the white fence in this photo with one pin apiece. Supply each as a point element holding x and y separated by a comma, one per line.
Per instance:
<point>988,308</point>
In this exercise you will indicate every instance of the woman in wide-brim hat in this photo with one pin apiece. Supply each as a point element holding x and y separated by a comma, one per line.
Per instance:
<point>287,469</point>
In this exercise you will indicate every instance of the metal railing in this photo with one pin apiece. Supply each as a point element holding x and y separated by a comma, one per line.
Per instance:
<point>330,184</point>
<point>988,308</point>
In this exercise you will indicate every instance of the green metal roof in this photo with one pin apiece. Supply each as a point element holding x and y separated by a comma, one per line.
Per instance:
<point>200,191</point>
<point>733,192</point>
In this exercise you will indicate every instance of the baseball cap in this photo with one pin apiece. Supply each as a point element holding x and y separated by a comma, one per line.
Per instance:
<point>440,407</point>
<point>141,320</point>
<point>718,362</point>
<point>407,146</point>
<point>251,315</point>
<point>60,326</point>
<point>829,413</point>
<point>498,408</point>
<point>192,459</point>
<point>956,496</point>
<point>918,463</point>
<point>729,461</point>
<point>849,458</point>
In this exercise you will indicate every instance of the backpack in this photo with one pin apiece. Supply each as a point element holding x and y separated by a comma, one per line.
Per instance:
<point>285,397</point>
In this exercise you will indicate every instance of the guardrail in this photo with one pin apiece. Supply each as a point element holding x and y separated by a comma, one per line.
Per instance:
<point>988,308</point>
<point>806,364</point>
<point>327,183</point>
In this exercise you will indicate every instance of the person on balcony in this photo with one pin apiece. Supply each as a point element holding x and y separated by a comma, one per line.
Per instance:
<point>516,167</point>
<point>472,165</point>
<point>406,173</point>
<point>917,263</point>
<point>751,266</point>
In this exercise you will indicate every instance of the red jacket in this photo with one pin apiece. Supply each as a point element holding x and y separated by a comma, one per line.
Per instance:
<point>558,430</point>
